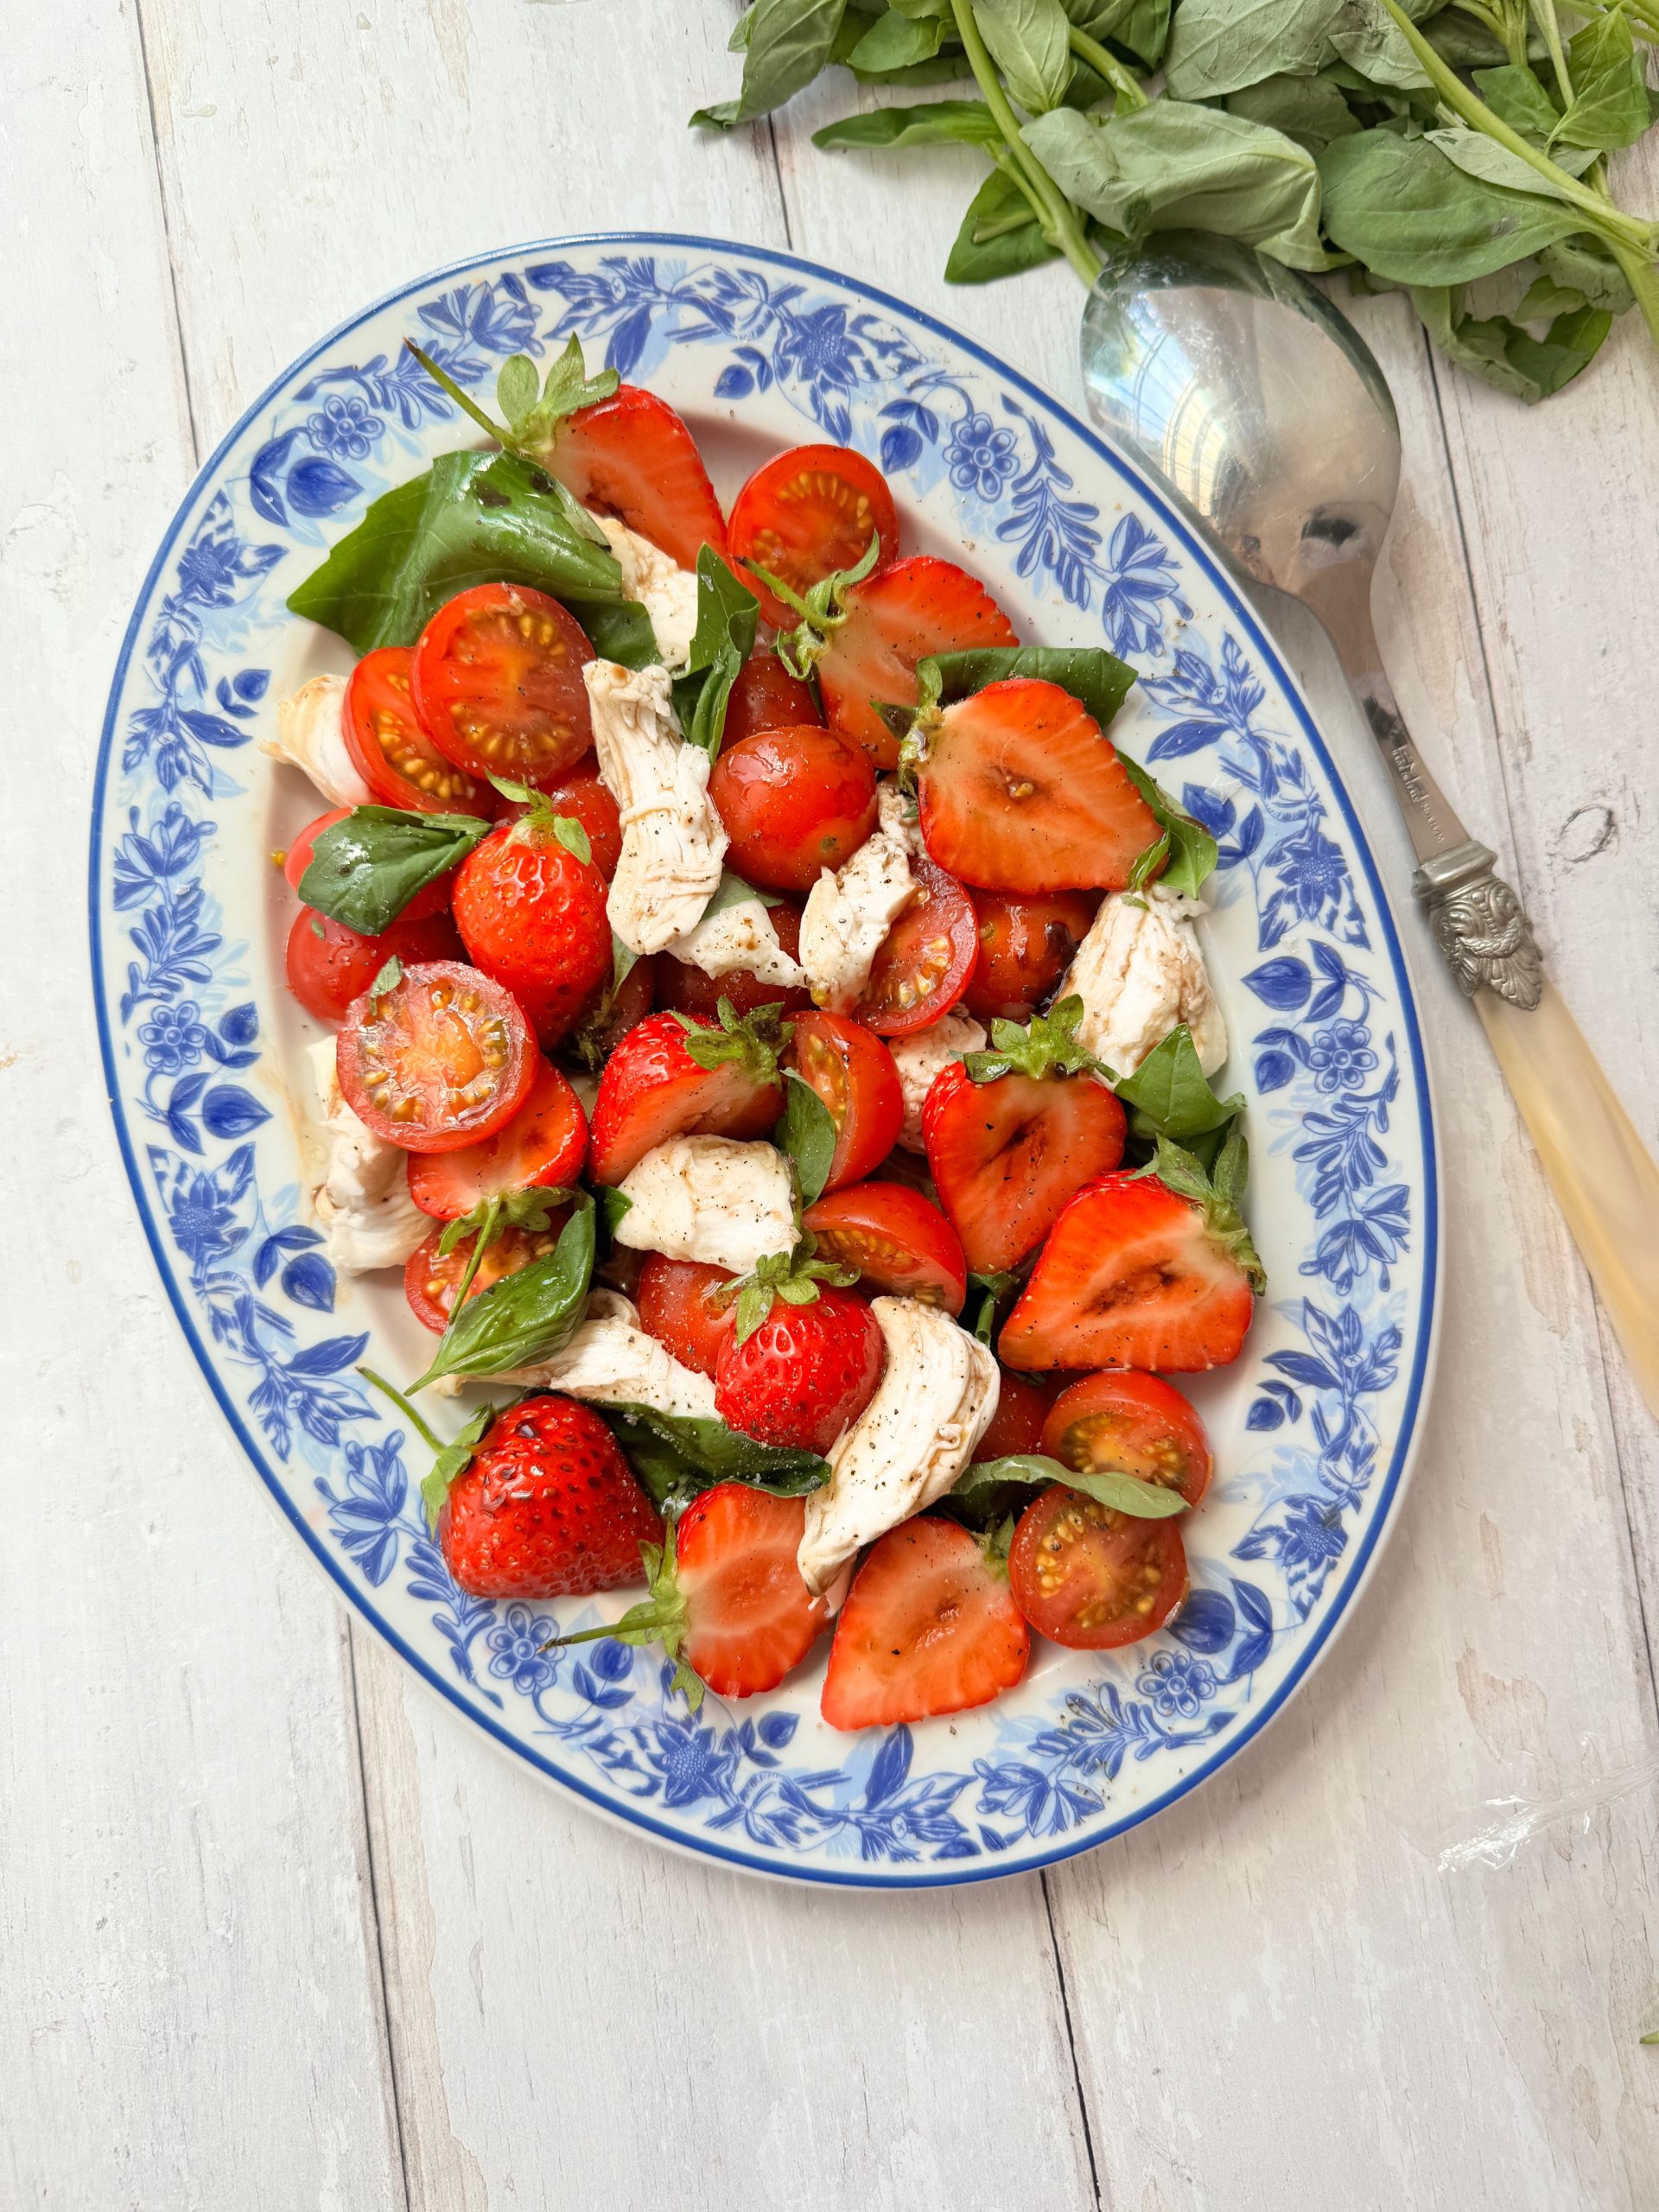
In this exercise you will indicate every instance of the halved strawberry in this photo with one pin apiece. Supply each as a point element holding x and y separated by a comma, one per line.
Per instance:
<point>631,456</point>
<point>674,1076</point>
<point>544,1144</point>
<point>930,1626</point>
<point>1137,1273</point>
<point>728,1602</point>
<point>1022,790</point>
<point>1011,1132</point>
<point>886,624</point>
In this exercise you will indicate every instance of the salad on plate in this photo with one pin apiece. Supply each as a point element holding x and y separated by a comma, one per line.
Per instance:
<point>764,1019</point>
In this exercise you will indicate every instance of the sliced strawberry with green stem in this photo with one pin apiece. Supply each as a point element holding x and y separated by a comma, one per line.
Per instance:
<point>675,1076</point>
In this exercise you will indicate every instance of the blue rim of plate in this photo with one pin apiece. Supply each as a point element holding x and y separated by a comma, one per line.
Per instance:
<point>934,1873</point>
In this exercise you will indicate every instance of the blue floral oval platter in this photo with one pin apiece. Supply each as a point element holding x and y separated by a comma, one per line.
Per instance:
<point>1313,1427</point>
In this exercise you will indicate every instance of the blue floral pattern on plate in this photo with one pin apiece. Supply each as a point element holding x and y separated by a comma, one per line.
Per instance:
<point>1313,1427</point>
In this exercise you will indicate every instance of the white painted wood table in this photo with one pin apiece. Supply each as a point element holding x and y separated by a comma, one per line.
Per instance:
<point>275,1929</point>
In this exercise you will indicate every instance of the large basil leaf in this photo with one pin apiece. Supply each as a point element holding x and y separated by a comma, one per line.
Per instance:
<point>806,1131</point>
<point>984,1489</point>
<point>1171,1096</point>
<point>1217,46</point>
<point>934,123</point>
<point>1611,105</point>
<point>1583,264</point>
<point>1411,215</point>
<point>676,1457</point>
<point>525,1316</point>
<point>1368,39</point>
<point>788,42</point>
<point>1490,162</point>
<point>1028,43</point>
<point>473,518</point>
<point>1173,166</point>
<point>1184,847</point>
<point>365,870</point>
<point>896,41</point>
<point>622,634</point>
<point>727,615</point>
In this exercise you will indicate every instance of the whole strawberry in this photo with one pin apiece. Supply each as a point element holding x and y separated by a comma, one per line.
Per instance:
<point>548,1508</point>
<point>803,1359</point>
<point>529,904</point>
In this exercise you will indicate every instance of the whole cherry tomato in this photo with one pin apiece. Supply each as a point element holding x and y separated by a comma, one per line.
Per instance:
<point>794,801</point>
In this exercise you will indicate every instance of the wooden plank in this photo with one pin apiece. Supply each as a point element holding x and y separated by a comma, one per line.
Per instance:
<point>193,2003</point>
<point>552,1983</point>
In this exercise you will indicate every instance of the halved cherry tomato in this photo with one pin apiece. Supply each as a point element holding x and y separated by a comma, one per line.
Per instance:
<point>1091,1579</point>
<point>685,990</point>
<point>1130,1424</point>
<point>430,1283</point>
<point>806,514</point>
<point>329,965</point>
<point>676,1307</point>
<point>793,801</point>
<point>1025,947</point>
<point>926,958</point>
<point>853,1074</point>
<point>399,761</point>
<point>544,1144</point>
<point>433,901</point>
<point>766,697</point>
<point>1022,1405</point>
<point>497,683</point>
<point>444,1059</point>
<point>896,1241</point>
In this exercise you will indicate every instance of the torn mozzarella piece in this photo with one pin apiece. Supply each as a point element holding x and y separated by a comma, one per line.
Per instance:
<point>848,911</point>
<point>709,1198</point>
<point>610,1361</point>
<point>1140,975</point>
<point>919,1056</point>
<point>667,592</point>
<point>362,1204</point>
<point>935,1401</point>
<point>739,936</point>
<point>672,840</point>
<point>311,737</point>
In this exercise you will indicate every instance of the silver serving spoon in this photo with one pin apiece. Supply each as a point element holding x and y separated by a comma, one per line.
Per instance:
<point>1267,414</point>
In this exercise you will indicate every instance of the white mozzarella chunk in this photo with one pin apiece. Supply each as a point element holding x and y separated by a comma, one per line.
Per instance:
<point>311,737</point>
<point>362,1204</point>
<point>919,1058</point>
<point>849,911</point>
<point>672,840</point>
<point>709,1198</point>
<point>739,935</point>
<point>610,1361</point>
<point>1140,974</point>
<point>667,592</point>
<point>935,1401</point>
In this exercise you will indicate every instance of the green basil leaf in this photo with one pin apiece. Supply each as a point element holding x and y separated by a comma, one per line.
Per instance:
<point>985,1293</point>
<point>1175,166</point>
<point>806,1131</point>
<point>675,1457</point>
<point>1366,37</point>
<point>727,614</point>
<point>1484,158</point>
<point>1218,46</point>
<point>622,634</point>
<point>1028,43</point>
<point>1611,105</point>
<point>473,518</point>
<point>365,870</point>
<point>388,976</point>
<point>1515,95</point>
<point>1310,110</point>
<point>789,43</point>
<point>1501,353</point>
<point>1191,849</point>
<point>453,1461</point>
<point>934,123</point>
<point>1545,298</point>
<point>1097,679</point>
<point>732,891</point>
<point>1584,263</point>
<point>1128,1494</point>
<point>1171,1095</point>
<point>1411,215</point>
<point>999,235</point>
<point>1142,26</point>
<point>896,41</point>
<point>527,1316</point>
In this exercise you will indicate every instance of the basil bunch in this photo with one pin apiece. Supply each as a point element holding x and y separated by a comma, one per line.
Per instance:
<point>1424,144</point>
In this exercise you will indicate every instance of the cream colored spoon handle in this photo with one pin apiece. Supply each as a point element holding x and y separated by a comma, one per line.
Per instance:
<point>1603,1174</point>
